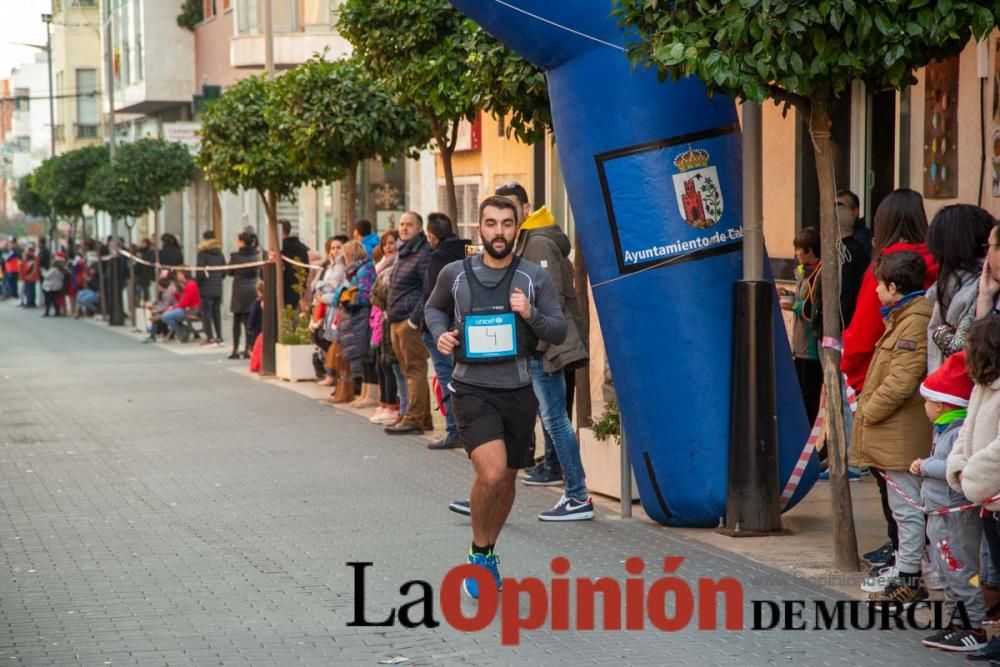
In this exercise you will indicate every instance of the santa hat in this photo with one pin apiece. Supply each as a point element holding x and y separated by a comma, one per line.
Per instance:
<point>949,384</point>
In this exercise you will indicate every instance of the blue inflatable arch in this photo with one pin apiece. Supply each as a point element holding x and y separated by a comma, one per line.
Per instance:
<point>653,172</point>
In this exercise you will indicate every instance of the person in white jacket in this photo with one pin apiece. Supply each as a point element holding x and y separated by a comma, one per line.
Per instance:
<point>974,462</point>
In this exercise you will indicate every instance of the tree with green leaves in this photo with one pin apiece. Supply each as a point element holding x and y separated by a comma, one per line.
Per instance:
<point>418,47</point>
<point>505,83</point>
<point>336,115</point>
<point>244,146</point>
<point>136,181</point>
<point>443,65</point>
<point>28,200</point>
<point>154,168</point>
<point>62,180</point>
<point>805,55</point>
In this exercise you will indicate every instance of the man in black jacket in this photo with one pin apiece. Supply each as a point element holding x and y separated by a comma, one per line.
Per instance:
<point>849,214</point>
<point>406,319</point>
<point>292,248</point>
<point>855,258</point>
<point>448,248</point>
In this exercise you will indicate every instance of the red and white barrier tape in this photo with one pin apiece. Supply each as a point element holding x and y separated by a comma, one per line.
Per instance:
<point>807,452</point>
<point>945,510</point>
<point>182,267</point>
<point>226,267</point>
<point>810,447</point>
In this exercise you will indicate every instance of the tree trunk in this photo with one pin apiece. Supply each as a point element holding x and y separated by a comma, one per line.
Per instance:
<point>351,181</point>
<point>274,245</point>
<point>584,409</point>
<point>100,278</point>
<point>447,149</point>
<point>131,280</point>
<point>845,538</point>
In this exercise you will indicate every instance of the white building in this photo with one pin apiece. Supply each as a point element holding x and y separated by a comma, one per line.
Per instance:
<point>30,140</point>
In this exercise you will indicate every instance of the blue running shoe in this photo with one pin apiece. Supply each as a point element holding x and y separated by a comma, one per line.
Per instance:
<point>493,565</point>
<point>489,562</point>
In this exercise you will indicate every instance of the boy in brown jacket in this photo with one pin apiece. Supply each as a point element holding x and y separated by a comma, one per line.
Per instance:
<point>891,429</point>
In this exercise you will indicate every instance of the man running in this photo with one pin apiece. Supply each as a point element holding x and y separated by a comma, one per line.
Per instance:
<point>490,311</point>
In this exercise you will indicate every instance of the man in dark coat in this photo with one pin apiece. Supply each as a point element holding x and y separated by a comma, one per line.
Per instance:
<point>144,272</point>
<point>170,251</point>
<point>210,287</point>
<point>849,213</point>
<point>406,318</point>
<point>292,248</point>
<point>448,248</point>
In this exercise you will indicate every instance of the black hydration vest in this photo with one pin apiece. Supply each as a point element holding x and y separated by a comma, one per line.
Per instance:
<point>491,332</point>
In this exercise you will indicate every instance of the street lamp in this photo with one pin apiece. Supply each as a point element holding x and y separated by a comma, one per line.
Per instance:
<point>47,20</point>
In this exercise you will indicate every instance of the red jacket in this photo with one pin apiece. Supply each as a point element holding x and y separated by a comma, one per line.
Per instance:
<point>867,325</point>
<point>31,271</point>
<point>191,297</point>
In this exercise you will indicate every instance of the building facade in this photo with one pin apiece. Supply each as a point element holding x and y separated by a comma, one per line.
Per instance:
<point>29,141</point>
<point>76,65</point>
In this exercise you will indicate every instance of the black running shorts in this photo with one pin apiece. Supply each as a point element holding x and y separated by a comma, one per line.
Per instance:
<point>484,415</point>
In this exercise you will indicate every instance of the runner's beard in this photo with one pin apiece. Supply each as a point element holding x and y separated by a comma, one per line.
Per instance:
<point>508,247</point>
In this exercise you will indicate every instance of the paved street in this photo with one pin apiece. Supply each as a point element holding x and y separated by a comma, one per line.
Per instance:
<point>160,509</point>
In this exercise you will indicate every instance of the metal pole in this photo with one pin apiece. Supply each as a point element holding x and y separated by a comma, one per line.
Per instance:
<point>626,479</point>
<point>117,314</point>
<point>753,506</point>
<point>269,327</point>
<point>753,214</point>
<point>47,20</point>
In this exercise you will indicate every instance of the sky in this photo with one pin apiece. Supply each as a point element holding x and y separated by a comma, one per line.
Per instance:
<point>20,21</point>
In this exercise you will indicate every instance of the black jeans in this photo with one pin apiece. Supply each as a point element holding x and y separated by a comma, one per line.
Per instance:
<point>240,325</point>
<point>810,374</point>
<point>53,300</point>
<point>386,384</point>
<point>891,527</point>
<point>211,317</point>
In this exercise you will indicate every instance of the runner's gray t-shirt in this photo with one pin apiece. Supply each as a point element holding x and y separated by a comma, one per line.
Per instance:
<point>451,300</point>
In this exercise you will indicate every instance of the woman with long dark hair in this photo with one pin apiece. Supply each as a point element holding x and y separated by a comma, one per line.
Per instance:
<point>957,239</point>
<point>900,224</point>
<point>244,289</point>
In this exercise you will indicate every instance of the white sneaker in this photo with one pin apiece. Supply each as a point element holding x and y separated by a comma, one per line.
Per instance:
<point>876,583</point>
<point>379,415</point>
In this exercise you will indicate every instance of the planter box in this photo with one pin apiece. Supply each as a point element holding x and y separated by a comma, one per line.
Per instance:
<point>602,463</point>
<point>294,362</point>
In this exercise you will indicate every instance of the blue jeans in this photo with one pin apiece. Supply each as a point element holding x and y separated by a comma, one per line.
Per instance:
<point>443,367</point>
<point>401,388</point>
<point>550,390</point>
<point>173,318</point>
<point>10,285</point>
<point>28,289</point>
<point>88,300</point>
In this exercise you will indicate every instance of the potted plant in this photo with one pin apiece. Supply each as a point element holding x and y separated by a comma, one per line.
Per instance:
<point>601,454</point>
<point>293,353</point>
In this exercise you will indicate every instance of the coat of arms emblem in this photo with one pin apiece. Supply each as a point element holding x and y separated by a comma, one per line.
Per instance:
<point>699,197</point>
